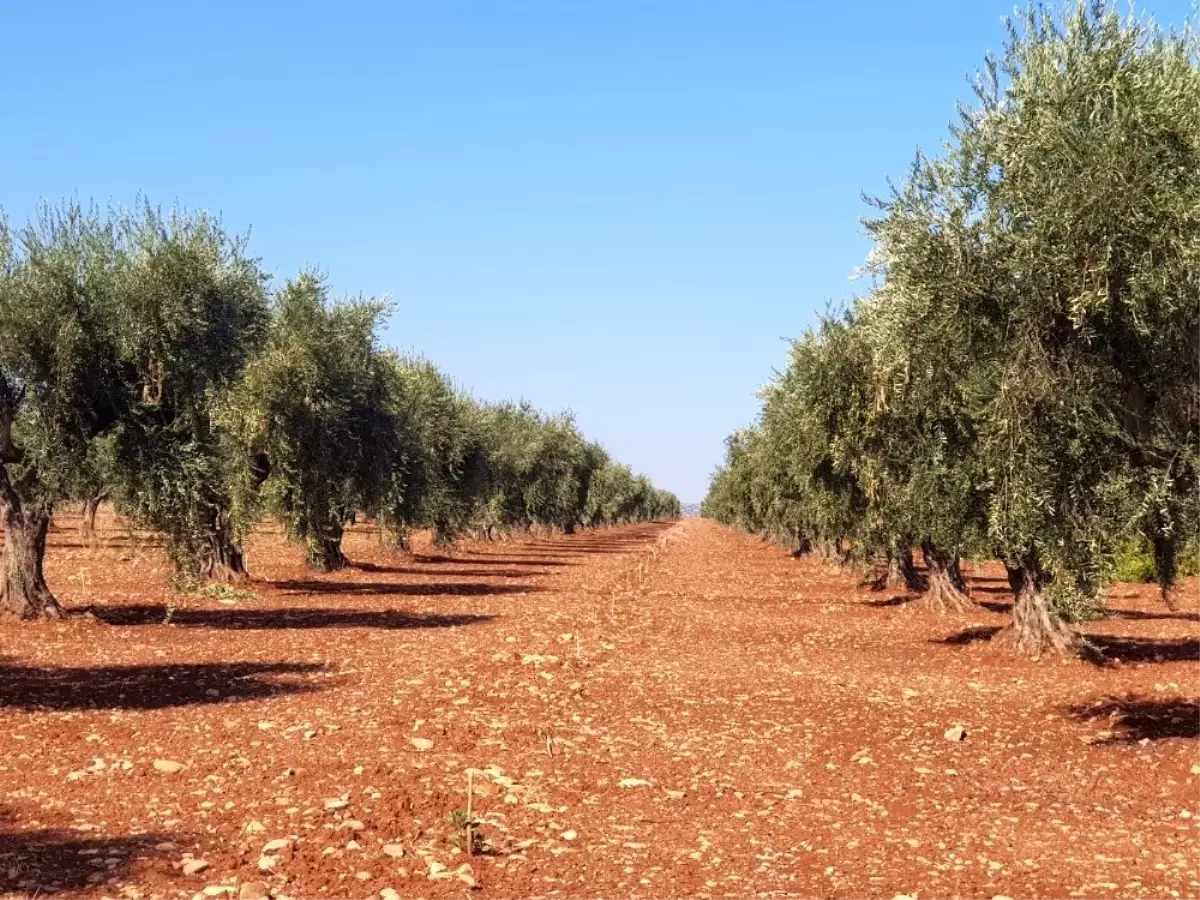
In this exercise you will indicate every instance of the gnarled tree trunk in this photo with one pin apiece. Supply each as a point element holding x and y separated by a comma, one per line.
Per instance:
<point>223,559</point>
<point>900,573</point>
<point>325,552</point>
<point>23,590</point>
<point>87,525</point>
<point>947,590</point>
<point>1036,627</point>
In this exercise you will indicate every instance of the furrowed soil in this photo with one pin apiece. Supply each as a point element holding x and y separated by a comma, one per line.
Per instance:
<point>650,711</point>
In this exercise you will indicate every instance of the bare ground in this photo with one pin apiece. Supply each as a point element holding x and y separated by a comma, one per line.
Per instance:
<point>651,711</point>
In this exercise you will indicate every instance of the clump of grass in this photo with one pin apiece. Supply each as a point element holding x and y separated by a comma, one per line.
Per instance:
<point>221,591</point>
<point>466,836</point>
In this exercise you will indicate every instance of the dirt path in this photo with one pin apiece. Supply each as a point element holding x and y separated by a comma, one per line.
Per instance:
<point>651,711</point>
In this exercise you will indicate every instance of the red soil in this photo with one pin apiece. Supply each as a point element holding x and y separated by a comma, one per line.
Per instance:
<point>654,711</point>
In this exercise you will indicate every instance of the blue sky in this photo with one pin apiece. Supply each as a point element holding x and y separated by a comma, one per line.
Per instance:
<point>621,208</point>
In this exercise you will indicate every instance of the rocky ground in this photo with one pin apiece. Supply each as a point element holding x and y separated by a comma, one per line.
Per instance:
<point>651,711</point>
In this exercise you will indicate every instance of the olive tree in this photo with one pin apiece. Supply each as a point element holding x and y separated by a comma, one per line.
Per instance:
<point>192,310</point>
<point>58,382</point>
<point>1051,259</point>
<point>314,417</point>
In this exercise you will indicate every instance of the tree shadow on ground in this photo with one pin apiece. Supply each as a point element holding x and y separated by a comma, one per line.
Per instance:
<point>1135,719</point>
<point>1142,615</point>
<point>47,861</point>
<point>898,600</point>
<point>386,588</point>
<point>480,559</point>
<point>148,686</point>
<point>1137,649</point>
<point>971,635</point>
<point>458,573</point>
<point>281,618</point>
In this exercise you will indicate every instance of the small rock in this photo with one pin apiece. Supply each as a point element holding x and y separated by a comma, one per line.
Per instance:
<point>254,827</point>
<point>956,733</point>
<point>389,894</point>
<point>267,863</point>
<point>1196,769</point>
<point>421,744</point>
<point>167,766</point>
<point>395,851</point>
<point>165,846</point>
<point>569,835</point>
<point>353,845</point>
<point>437,870</point>
<point>363,876</point>
<point>194,866</point>
<point>353,825</point>
<point>336,803</point>
<point>633,782</point>
<point>217,890</point>
<point>253,890</point>
<point>277,845</point>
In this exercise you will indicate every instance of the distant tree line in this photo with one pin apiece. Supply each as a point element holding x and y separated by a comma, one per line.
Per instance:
<point>146,360</point>
<point>1021,381</point>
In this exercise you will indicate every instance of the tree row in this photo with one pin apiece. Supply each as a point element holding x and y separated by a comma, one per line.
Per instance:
<point>146,360</point>
<point>1020,382</point>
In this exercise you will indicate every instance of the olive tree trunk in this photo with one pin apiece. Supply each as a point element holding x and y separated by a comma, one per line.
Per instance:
<point>1036,627</point>
<point>900,573</point>
<point>23,590</point>
<point>947,589</point>
<point>87,525</point>
<point>222,558</point>
<point>325,552</point>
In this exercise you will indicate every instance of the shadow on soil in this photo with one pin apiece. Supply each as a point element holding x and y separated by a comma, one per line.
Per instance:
<point>280,618</point>
<point>457,573</point>
<point>148,686</point>
<point>1134,649</point>
<point>47,861</point>
<point>971,635</point>
<point>1136,719</point>
<point>387,588</point>
<point>898,600</point>
<point>1141,615</point>
<point>481,559</point>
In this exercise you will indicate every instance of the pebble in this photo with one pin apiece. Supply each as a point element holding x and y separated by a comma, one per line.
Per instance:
<point>389,894</point>
<point>167,766</point>
<point>253,890</point>
<point>194,866</point>
<point>956,733</point>
<point>336,803</point>
<point>421,744</point>
<point>276,845</point>
<point>395,851</point>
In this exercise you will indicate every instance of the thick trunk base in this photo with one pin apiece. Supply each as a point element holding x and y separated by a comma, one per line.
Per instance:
<point>224,562</point>
<point>900,574</point>
<point>1035,627</point>
<point>947,590</point>
<point>327,556</point>
<point>87,525</point>
<point>942,596</point>
<point>23,590</point>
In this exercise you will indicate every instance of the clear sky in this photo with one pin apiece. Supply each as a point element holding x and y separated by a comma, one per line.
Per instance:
<point>619,207</point>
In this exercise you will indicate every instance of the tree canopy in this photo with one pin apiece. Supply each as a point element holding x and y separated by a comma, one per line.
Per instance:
<point>1021,379</point>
